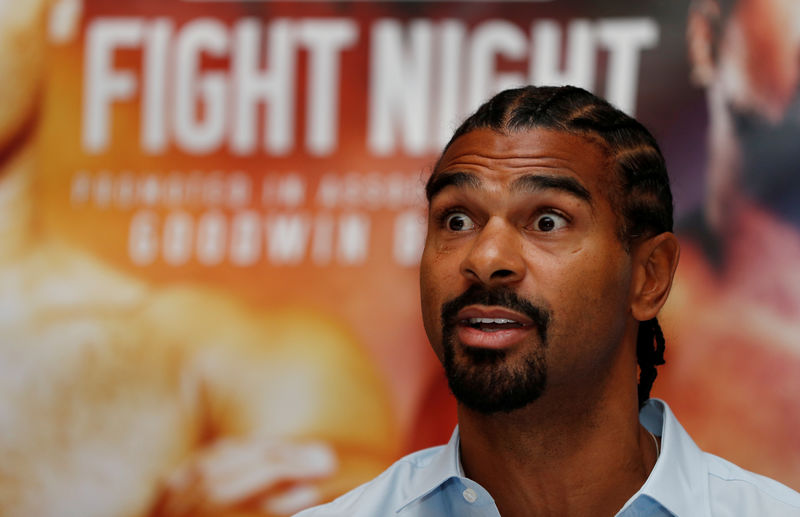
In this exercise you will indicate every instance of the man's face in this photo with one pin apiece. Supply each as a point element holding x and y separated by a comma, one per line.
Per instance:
<point>525,284</point>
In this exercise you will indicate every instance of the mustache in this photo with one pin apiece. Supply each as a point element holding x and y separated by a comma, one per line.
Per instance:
<point>500,297</point>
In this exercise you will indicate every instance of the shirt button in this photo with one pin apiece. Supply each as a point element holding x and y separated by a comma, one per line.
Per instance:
<point>469,495</point>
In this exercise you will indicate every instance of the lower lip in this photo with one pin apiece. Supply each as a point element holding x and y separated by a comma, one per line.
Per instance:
<point>498,340</point>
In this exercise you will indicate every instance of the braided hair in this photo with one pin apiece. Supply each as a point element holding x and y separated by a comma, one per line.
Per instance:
<point>639,190</point>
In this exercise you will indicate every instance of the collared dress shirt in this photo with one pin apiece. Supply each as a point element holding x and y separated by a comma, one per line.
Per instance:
<point>684,482</point>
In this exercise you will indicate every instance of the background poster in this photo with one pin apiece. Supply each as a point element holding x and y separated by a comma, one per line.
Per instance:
<point>212,214</point>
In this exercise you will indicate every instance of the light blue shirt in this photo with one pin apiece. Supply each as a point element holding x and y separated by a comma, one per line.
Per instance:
<point>684,482</point>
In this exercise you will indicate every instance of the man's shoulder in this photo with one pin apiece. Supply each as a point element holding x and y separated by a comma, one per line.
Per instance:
<point>688,481</point>
<point>389,490</point>
<point>741,492</point>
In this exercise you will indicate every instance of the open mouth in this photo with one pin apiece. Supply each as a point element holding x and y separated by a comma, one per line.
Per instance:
<point>492,324</point>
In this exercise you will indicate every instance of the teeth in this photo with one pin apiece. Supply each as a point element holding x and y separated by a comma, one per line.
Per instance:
<point>485,321</point>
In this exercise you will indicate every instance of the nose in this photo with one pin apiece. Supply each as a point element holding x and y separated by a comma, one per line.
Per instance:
<point>495,257</point>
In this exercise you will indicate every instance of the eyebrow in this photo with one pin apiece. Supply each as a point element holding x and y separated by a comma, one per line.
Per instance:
<point>538,182</point>
<point>440,180</point>
<point>526,183</point>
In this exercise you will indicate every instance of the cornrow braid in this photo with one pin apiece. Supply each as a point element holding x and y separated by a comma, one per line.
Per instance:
<point>638,189</point>
<point>543,107</point>
<point>650,347</point>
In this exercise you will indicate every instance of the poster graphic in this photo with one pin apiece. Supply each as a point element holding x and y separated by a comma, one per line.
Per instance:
<point>212,212</point>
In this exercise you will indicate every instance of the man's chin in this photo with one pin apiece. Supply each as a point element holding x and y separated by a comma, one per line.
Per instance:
<point>488,403</point>
<point>484,383</point>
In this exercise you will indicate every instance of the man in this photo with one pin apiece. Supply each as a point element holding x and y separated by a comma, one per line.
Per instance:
<point>549,254</point>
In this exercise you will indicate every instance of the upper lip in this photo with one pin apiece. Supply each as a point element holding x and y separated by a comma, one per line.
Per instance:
<point>482,311</point>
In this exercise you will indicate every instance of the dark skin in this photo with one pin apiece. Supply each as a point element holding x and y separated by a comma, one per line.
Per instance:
<point>530,211</point>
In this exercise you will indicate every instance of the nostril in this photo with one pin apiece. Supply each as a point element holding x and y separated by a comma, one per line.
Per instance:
<point>502,273</point>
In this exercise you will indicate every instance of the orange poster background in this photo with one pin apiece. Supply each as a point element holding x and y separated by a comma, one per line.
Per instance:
<point>195,385</point>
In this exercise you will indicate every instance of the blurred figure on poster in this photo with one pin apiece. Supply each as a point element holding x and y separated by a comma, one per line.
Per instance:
<point>736,306</point>
<point>120,399</point>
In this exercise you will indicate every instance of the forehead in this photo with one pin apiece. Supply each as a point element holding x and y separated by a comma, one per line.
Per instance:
<point>504,157</point>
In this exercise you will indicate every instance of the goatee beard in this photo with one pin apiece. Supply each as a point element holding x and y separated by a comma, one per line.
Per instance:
<point>481,379</point>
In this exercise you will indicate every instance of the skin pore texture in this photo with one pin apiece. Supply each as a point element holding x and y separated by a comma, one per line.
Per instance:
<point>528,212</point>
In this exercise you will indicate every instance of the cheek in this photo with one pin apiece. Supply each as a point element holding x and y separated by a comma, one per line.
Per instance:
<point>608,284</point>
<point>595,291</point>
<point>588,321</point>
<point>431,299</point>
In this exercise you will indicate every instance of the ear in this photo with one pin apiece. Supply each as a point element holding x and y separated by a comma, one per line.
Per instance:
<point>699,39</point>
<point>654,263</point>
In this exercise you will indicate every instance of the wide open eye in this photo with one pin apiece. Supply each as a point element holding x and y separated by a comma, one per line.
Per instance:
<point>549,222</point>
<point>458,222</point>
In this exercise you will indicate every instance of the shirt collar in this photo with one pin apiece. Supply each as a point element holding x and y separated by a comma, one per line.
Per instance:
<point>679,479</point>
<point>436,470</point>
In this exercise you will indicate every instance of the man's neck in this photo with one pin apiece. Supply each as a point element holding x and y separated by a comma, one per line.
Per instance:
<point>555,458</point>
